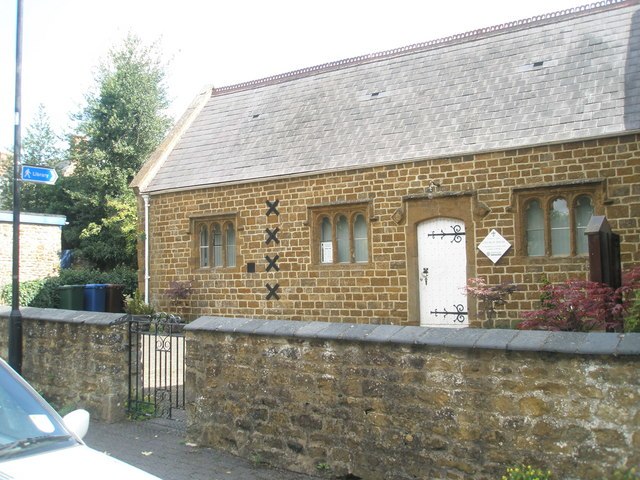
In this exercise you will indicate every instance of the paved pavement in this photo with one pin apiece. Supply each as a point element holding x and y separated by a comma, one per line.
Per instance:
<point>158,447</point>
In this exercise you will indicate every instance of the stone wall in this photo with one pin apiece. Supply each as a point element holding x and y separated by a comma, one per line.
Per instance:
<point>483,189</point>
<point>75,359</point>
<point>390,402</point>
<point>40,246</point>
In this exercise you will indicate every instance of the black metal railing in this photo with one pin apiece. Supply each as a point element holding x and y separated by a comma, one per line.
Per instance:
<point>156,366</point>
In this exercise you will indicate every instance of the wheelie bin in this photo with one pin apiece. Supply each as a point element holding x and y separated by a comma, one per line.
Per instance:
<point>114,298</point>
<point>95,297</point>
<point>71,297</point>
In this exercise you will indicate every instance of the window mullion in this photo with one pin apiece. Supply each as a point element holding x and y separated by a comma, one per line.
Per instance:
<point>546,205</point>
<point>212,248</point>
<point>572,225</point>
<point>352,240</point>
<point>223,234</point>
<point>334,239</point>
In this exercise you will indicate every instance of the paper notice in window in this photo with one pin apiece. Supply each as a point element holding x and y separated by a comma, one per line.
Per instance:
<point>326,250</point>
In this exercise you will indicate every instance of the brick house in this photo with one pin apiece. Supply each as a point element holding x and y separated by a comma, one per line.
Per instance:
<point>361,190</point>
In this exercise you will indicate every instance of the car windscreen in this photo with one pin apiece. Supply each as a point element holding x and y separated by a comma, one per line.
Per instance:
<point>26,424</point>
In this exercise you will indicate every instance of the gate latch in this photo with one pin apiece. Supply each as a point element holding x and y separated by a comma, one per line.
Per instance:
<point>425,275</point>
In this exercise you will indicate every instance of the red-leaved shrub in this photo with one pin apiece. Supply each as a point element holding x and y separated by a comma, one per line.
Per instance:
<point>490,296</point>
<point>582,306</point>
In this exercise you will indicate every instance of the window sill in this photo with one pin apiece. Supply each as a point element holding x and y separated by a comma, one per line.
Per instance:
<point>577,259</point>
<point>217,269</point>
<point>342,266</point>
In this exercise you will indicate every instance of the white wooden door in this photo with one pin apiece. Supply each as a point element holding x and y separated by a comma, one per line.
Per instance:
<point>442,273</point>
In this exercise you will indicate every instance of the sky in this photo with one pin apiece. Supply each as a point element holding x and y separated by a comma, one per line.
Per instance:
<point>215,42</point>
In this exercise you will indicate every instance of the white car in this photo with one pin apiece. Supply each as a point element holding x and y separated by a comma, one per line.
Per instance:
<point>36,443</point>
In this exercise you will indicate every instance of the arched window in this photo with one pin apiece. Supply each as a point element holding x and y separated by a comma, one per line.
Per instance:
<point>326,241</point>
<point>342,239</point>
<point>215,242</point>
<point>341,234</point>
<point>360,242</point>
<point>231,245</point>
<point>554,224</point>
<point>560,231</point>
<point>584,212</point>
<point>217,245</point>
<point>535,228</point>
<point>204,246</point>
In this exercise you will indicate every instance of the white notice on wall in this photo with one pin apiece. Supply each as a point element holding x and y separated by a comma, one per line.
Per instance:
<point>494,246</point>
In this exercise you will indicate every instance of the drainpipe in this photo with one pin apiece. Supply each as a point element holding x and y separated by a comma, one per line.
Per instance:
<point>145,198</point>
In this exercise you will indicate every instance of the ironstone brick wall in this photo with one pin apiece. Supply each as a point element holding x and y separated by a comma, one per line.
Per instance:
<point>75,359</point>
<point>380,292</point>
<point>391,402</point>
<point>39,251</point>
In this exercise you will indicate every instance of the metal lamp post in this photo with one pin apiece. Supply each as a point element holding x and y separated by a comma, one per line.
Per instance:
<point>15,318</point>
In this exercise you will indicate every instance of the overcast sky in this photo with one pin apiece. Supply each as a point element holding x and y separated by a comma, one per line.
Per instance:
<point>216,42</point>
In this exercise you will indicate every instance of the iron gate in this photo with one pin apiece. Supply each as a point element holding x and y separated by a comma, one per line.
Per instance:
<point>156,366</point>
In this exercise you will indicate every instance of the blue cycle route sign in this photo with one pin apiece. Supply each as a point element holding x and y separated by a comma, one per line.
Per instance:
<point>39,174</point>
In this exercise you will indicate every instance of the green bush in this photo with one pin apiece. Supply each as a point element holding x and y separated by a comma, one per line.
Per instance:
<point>530,473</point>
<point>526,473</point>
<point>630,474</point>
<point>46,294</point>
<point>28,291</point>
<point>135,305</point>
<point>632,320</point>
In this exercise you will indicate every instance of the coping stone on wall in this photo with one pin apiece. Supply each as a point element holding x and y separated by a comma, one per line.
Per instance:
<point>599,342</point>
<point>529,340</point>
<point>435,336</point>
<point>287,329</point>
<point>222,324</point>
<point>629,344</point>
<point>247,325</point>
<point>464,338</point>
<point>310,329</point>
<point>565,342</point>
<point>594,343</point>
<point>496,339</point>
<point>333,331</point>
<point>355,332</point>
<point>278,328</point>
<point>67,316</point>
<point>382,333</point>
<point>407,335</point>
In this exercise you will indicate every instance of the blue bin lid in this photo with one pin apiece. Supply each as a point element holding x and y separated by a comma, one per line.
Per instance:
<point>95,285</point>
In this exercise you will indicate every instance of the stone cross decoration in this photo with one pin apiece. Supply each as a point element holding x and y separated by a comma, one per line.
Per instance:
<point>271,262</point>
<point>272,236</point>
<point>273,208</point>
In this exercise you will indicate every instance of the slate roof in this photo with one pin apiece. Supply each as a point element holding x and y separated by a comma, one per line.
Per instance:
<point>559,77</point>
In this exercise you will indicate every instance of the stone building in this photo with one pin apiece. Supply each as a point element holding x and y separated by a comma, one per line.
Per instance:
<point>362,190</point>
<point>40,245</point>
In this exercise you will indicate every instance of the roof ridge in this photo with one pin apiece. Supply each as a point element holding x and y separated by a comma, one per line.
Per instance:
<point>465,36</point>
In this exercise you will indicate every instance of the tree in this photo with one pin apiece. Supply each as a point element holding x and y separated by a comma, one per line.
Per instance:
<point>41,146</point>
<point>121,124</point>
<point>6,181</point>
<point>113,240</point>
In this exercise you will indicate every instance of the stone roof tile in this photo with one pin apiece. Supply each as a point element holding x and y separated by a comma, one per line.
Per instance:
<point>552,79</point>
